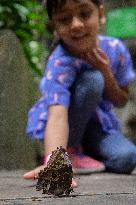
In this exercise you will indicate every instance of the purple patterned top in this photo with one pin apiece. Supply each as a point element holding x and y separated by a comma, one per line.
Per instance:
<point>60,73</point>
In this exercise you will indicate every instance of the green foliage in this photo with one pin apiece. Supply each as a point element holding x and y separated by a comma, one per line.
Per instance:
<point>27,19</point>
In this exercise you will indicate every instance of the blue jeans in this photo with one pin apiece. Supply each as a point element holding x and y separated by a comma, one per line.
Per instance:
<point>117,153</point>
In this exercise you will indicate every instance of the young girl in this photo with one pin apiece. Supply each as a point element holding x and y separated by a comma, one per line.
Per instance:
<point>86,75</point>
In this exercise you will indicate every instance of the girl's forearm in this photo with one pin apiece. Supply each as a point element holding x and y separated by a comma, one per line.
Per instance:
<point>112,91</point>
<point>57,129</point>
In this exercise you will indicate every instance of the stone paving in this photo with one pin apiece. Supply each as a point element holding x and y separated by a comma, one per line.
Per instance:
<point>95,189</point>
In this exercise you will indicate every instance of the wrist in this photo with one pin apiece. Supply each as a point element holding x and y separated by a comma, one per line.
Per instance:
<point>46,159</point>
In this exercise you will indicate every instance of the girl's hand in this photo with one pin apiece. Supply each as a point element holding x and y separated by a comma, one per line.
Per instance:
<point>97,58</point>
<point>31,175</point>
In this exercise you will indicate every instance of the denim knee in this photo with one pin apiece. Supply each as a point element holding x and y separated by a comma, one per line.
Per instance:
<point>89,88</point>
<point>123,163</point>
<point>86,94</point>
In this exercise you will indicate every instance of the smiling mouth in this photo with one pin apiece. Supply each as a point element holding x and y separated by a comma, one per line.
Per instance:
<point>79,37</point>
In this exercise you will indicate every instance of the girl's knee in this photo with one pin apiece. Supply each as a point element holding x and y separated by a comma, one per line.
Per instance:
<point>122,163</point>
<point>90,86</point>
<point>94,80</point>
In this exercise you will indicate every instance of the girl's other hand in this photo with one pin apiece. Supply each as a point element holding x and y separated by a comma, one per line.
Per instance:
<point>34,173</point>
<point>97,58</point>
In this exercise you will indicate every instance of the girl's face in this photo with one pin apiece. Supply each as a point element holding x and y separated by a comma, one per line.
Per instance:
<point>77,24</point>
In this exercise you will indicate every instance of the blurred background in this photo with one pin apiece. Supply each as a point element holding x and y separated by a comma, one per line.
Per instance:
<point>24,47</point>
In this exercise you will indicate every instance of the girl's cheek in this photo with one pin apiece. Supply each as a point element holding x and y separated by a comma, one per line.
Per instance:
<point>64,32</point>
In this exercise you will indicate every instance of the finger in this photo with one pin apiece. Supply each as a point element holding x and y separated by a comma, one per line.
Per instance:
<point>33,173</point>
<point>74,184</point>
<point>29,175</point>
<point>100,58</point>
<point>101,52</point>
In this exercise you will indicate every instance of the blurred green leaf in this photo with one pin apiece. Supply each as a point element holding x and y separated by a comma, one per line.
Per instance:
<point>22,11</point>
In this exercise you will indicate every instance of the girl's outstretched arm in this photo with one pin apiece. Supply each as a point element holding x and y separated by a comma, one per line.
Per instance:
<point>57,128</point>
<point>57,131</point>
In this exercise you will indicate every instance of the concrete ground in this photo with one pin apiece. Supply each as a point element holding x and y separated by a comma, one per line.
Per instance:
<point>94,189</point>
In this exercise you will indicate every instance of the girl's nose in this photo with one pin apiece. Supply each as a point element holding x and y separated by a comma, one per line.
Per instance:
<point>77,24</point>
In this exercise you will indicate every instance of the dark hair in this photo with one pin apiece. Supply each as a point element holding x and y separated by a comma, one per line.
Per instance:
<point>53,5</point>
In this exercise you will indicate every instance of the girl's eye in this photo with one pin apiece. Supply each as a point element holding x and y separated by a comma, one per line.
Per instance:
<point>85,14</point>
<point>65,20</point>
